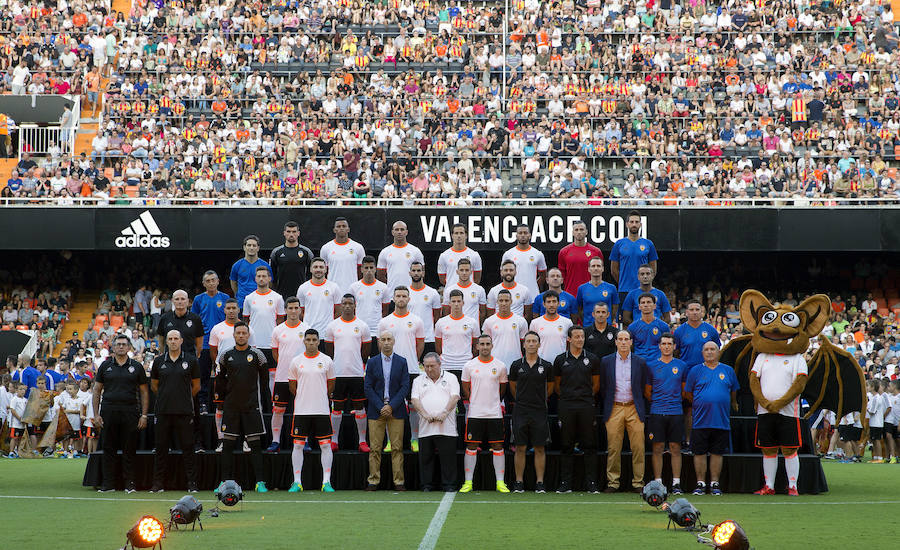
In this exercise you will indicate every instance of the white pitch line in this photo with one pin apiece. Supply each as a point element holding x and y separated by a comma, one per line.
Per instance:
<point>512,500</point>
<point>429,541</point>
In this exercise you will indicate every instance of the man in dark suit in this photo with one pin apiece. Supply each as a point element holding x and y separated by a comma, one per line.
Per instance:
<point>622,380</point>
<point>387,385</point>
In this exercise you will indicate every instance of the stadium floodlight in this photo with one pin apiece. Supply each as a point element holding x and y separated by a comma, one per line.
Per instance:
<point>146,533</point>
<point>727,535</point>
<point>655,493</point>
<point>683,514</point>
<point>186,511</point>
<point>230,493</point>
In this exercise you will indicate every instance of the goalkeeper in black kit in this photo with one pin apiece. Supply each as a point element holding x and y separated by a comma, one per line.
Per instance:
<point>237,386</point>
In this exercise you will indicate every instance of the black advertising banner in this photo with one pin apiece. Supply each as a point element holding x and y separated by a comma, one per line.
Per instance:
<point>142,228</point>
<point>490,229</point>
<point>34,228</point>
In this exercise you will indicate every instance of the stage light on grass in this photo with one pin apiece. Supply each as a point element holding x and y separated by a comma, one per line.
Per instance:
<point>185,512</point>
<point>728,535</point>
<point>229,493</point>
<point>146,533</point>
<point>654,494</point>
<point>683,514</point>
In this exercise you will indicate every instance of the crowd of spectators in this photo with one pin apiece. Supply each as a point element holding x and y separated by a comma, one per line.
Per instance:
<point>451,100</point>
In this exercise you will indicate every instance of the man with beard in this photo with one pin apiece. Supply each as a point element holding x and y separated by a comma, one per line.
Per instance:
<point>522,297</point>
<point>630,253</point>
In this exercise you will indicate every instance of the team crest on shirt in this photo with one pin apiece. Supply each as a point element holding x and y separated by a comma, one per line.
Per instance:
<point>655,331</point>
<point>189,323</point>
<point>378,292</point>
<point>466,327</point>
<point>642,247</point>
<point>586,361</point>
<point>650,436</point>
<point>409,324</point>
<point>444,383</point>
<point>270,303</point>
<point>540,370</point>
<point>319,366</point>
<point>408,255</point>
<point>356,330</point>
<point>494,371</point>
<point>704,334</point>
<point>609,336</point>
<point>562,303</point>
<point>131,370</point>
<point>249,357</point>
<point>587,253</point>
<point>219,303</point>
<point>514,326</point>
<point>605,293</point>
<point>559,328</point>
<point>721,376</point>
<point>518,296</point>
<point>473,294</point>
<point>326,294</point>
<point>674,370</point>
<point>785,361</point>
<point>184,365</point>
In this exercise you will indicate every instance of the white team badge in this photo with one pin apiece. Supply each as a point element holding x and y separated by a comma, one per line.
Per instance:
<point>587,253</point>
<point>356,330</point>
<point>443,383</point>
<point>184,365</point>
<point>703,334</point>
<point>609,336</point>
<point>562,303</point>
<point>642,247</point>
<point>586,362</point>
<point>300,254</point>
<point>518,296</point>
<point>249,357</point>
<point>605,293</point>
<point>473,294</point>
<point>540,370</point>
<point>189,323</point>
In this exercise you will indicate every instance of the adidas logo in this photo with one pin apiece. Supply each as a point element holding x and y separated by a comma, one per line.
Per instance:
<point>142,233</point>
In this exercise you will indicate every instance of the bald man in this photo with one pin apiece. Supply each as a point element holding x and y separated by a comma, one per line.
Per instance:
<point>175,379</point>
<point>395,259</point>
<point>189,324</point>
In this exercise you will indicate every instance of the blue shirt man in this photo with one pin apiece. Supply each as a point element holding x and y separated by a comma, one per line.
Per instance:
<point>646,337</point>
<point>631,252</point>
<point>243,272</point>
<point>690,337</point>
<point>630,303</point>
<point>712,389</point>
<point>590,295</point>
<point>29,377</point>
<point>567,305</point>
<point>210,305</point>
<point>666,379</point>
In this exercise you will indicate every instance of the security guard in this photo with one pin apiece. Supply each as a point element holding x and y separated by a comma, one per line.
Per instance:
<point>237,386</point>
<point>175,379</point>
<point>290,262</point>
<point>600,336</point>
<point>117,384</point>
<point>577,380</point>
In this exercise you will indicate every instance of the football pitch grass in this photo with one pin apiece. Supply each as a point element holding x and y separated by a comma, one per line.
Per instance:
<point>43,505</point>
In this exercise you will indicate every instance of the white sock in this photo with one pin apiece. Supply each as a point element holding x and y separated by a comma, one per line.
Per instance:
<point>770,467</point>
<point>361,424</point>
<point>499,459</point>
<point>277,422</point>
<point>219,415</point>
<point>297,459</point>
<point>469,462</point>
<point>676,481</point>
<point>336,417</point>
<point>792,468</point>
<point>659,479</point>
<point>327,459</point>
<point>414,424</point>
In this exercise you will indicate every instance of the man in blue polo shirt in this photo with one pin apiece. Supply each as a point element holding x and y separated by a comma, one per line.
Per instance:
<point>29,376</point>
<point>629,253</point>
<point>666,376</point>
<point>243,272</point>
<point>567,306</point>
<point>712,387</point>
<point>594,291</point>
<point>647,330</point>
<point>690,336</point>
<point>210,306</point>
<point>630,310</point>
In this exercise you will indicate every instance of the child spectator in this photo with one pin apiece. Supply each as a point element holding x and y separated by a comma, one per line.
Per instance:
<point>890,389</point>
<point>875,413</point>
<point>17,427</point>
<point>70,405</point>
<point>88,435</point>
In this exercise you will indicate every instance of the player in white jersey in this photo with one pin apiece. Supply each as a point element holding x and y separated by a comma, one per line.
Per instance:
<point>778,377</point>
<point>876,409</point>
<point>347,341</point>
<point>343,256</point>
<point>449,258</point>
<point>522,296</point>
<point>221,339</point>
<point>287,343</point>
<point>425,302</point>
<point>372,299</point>
<point>395,259</point>
<point>531,266</point>
<point>263,310</point>
<point>483,383</point>
<point>506,329</point>
<point>409,342</point>
<point>86,396</point>
<point>70,405</point>
<point>319,297</point>
<point>311,378</point>
<point>455,335</point>
<point>474,297</point>
<point>890,389</point>
<point>552,328</point>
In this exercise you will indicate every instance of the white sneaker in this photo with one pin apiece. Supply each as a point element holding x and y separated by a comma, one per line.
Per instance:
<point>246,447</point>
<point>219,448</point>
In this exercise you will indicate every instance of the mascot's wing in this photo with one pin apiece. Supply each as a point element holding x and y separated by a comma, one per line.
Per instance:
<point>739,354</point>
<point>836,381</point>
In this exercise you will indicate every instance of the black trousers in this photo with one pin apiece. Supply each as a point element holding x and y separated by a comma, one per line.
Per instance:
<point>205,393</point>
<point>181,426</point>
<point>443,448</point>
<point>578,427</point>
<point>119,433</point>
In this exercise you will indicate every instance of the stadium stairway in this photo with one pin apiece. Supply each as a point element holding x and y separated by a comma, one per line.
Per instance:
<point>6,168</point>
<point>123,6</point>
<point>86,133</point>
<point>80,314</point>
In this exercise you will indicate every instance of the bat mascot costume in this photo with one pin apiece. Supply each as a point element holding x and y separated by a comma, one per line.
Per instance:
<point>770,366</point>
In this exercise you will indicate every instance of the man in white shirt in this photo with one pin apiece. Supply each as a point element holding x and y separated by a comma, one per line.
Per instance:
<point>522,296</point>
<point>484,380</point>
<point>311,378</point>
<point>395,259</point>
<point>455,335</point>
<point>343,256</point>
<point>506,329</point>
<point>263,310</point>
<point>409,342</point>
<point>474,297</point>
<point>319,297</point>
<point>372,299</point>
<point>425,302</point>
<point>347,341</point>
<point>434,397</point>
<point>552,328</point>
<point>287,343</point>
<point>531,266</point>
<point>449,258</point>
